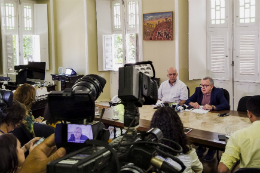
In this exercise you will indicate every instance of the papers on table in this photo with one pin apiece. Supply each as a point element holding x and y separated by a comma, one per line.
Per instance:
<point>200,111</point>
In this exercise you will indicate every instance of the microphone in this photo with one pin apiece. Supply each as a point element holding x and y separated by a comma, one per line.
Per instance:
<point>163,165</point>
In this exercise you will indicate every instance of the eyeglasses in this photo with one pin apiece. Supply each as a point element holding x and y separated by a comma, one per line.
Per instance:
<point>204,86</point>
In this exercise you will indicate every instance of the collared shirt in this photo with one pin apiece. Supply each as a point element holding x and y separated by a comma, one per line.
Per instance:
<point>173,93</point>
<point>206,99</point>
<point>243,145</point>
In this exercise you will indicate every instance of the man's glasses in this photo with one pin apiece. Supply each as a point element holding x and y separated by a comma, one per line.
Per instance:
<point>204,86</point>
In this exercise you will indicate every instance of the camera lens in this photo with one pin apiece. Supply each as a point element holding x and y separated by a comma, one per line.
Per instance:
<point>91,83</point>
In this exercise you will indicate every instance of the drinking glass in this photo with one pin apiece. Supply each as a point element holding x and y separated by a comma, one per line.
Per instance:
<point>228,130</point>
<point>96,110</point>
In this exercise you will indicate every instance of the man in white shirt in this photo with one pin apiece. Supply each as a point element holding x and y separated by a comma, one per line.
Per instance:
<point>173,90</point>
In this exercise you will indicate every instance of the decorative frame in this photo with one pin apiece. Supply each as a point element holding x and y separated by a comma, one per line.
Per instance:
<point>158,26</point>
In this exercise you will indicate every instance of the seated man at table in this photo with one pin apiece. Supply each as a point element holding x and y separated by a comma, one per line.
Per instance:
<point>173,90</point>
<point>244,145</point>
<point>210,97</point>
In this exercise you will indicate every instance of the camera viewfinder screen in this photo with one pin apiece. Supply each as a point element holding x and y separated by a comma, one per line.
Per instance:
<point>79,133</point>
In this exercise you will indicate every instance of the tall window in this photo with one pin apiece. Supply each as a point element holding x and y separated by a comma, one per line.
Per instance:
<point>24,39</point>
<point>118,36</point>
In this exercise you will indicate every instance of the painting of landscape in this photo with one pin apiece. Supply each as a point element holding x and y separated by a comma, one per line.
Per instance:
<point>158,26</point>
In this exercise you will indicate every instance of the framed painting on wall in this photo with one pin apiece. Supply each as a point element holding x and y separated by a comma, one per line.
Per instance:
<point>158,26</point>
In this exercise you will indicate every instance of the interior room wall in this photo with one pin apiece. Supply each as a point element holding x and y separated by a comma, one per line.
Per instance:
<point>69,20</point>
<point>161,53</point>
<point>183,46</point>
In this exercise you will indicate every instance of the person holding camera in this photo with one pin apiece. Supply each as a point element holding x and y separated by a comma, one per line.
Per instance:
<point>169,122</point>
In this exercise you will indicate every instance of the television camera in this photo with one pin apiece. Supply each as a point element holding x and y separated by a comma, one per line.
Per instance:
<point>132,152</point>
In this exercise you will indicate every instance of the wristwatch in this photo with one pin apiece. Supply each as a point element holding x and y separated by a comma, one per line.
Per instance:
<point>213,107</point>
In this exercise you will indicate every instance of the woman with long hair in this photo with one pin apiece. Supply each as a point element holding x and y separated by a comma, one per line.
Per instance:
<point>26,95</point>
<point>28,128</point>
<point>169,122</point>
<point>12,154</point>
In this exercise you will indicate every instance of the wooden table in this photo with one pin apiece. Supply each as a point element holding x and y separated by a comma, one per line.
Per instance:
<point>206,127</point>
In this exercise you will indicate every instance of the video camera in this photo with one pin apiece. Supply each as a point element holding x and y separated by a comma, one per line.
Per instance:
<point>132,152</point>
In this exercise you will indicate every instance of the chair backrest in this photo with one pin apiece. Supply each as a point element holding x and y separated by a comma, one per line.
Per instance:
<point>188,91</point>
<point>226,95</point>
<point>248,170</point>
<point>242,104</point>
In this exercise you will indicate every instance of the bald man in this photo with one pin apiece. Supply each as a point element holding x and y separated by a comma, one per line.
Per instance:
<point>173,90</point>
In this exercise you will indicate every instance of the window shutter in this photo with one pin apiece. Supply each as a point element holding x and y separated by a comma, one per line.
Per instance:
<point>246,66</point>
<point>218,55</point>
<point>108,52</point>
<point>10,54</point>
<point>104,28</point>
<point>41,29</point>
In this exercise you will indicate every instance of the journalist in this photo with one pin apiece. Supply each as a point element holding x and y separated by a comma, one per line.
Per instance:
<point>169,122</point>
<point>243,145</point>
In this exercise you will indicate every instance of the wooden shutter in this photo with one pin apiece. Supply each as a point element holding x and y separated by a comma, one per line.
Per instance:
<point>10,53</point>
<point>218,55</point>
<point>246,63</point>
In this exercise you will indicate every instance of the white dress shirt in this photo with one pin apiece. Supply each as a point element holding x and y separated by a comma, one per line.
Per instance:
<point>190,160</point>
<point>173,93</point>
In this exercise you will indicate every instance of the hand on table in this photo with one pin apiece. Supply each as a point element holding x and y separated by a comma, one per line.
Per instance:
<point>207,107</point>
<point>44,153</point>
<point>195,105</point>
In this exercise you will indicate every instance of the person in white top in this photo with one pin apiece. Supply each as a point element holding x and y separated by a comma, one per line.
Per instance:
<point>169,122</point>
<point>173,90</point>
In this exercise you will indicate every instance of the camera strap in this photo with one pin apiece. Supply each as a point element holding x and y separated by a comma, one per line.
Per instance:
<point>105,144</point>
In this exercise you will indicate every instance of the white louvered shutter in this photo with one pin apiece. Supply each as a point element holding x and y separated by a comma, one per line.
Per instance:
<point>218,55</point>
<point>246,63</point>
<point>108,52</point>
<point>10,53</point>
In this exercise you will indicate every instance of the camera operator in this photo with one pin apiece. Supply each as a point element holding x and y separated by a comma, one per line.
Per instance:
<point>168,121</point>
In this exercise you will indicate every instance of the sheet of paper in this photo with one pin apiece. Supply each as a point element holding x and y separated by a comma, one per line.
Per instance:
<point>200,111</point>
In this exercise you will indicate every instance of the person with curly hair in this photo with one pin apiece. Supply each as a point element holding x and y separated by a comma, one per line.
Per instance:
<point>12,117</point>
<point>169,122</point>
<point>26,95</point>
<point>29,128</point>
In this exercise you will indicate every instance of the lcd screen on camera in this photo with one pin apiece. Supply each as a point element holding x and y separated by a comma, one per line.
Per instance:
<point>79,133</point>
